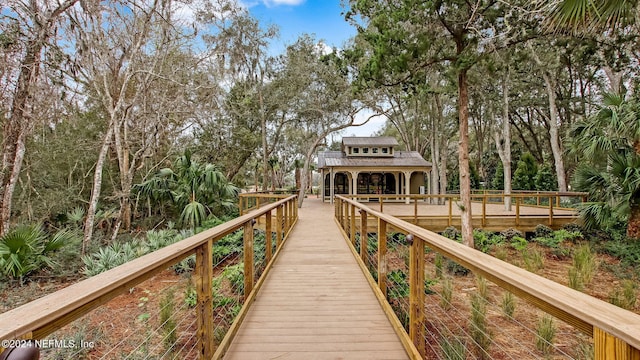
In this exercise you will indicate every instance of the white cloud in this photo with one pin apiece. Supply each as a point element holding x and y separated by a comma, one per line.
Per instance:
<point>282,2</point>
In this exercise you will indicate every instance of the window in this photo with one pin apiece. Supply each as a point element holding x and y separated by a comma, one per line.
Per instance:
<point>385,150</point>
<point>374,150</point>
<point>356,150</point>
<point>365,150</point>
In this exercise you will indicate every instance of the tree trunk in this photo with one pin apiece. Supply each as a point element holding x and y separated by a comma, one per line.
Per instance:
<point>554,133</point>
<point>503,142</point>
<point>16,127</point>
<point>463,160</point>
<point>95,191</point>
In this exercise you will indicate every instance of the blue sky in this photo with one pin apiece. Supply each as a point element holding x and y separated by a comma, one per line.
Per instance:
<point>324,19</point>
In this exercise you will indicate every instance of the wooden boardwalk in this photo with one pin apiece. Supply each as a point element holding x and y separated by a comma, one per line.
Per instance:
<point>316,303</point>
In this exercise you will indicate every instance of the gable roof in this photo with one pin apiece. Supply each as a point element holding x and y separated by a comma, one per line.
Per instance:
<point>337,159</point>
<point>369,141</point>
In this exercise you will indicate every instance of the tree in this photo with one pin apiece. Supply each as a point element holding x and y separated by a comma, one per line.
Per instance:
<point>609,142</point>
<point>525,174</point>
<point>408,37</point>
<point>583,16</point>
<point>32,26</point>
<point>196,190</point>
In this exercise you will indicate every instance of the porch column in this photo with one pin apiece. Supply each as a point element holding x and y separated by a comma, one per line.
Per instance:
<point>398,189</point>
<point>407,186</point>
<point>321,190</point>
<point>354,182</point>
<point>332,181</point>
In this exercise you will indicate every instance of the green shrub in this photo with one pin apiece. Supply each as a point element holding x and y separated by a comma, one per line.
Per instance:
<point>453,348</point>
<point>546,333</point>
<point>168,322</point>
<point>575,279</point>
<point>519,243</point>
<point>510,233</point>
<point>27,249</point>
<point>451,233</point>
<point>533,260</point>
<point>508,304</point>
<point>585,263</point>
<point>446,294</point>
<point>542,231</point>
<point>398,284</point>
<point>479,331</point>
<point>626,296</point>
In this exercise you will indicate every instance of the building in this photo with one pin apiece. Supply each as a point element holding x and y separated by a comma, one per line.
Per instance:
<point>371,165</point>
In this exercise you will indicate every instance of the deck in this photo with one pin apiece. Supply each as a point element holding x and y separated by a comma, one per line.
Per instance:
<point>316,303</point>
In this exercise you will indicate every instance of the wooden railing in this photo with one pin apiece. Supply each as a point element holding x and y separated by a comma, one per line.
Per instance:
<point>39,318</point>
<point>553,201</point>
<point>615,332</point>
<point>252,201</point>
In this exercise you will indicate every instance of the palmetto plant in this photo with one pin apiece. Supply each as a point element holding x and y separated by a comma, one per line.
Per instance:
<point>197,190</point>
<point>25,249</point>
<point>610,144</point>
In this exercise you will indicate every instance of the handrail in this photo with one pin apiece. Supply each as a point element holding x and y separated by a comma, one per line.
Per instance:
<point>612,327</point>
<point>244,200</point>
<point>41,317</point>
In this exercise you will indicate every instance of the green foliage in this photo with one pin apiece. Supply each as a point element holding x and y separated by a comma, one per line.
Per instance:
<point>610,166</point>
<point>626,296</point>
<point>168,322</point>
<point>546,333</point>
<point>498,178</point>
<point>575,279</point>
<point>191,296</point>
<point>235,275</point>
<point>196,190</point>
<point>483,288</point>
<point>398,284</point>
<point>508,304</point>
<point>541,231</point>
<point>453,348</point>
<point>510,233</point>
<point>519,243</point>
<point>438,260</point>
<point>533,260</point>
<point>28,248</point>
<point>485,241</point>
<point>545,179</point>
<point>451,233</point>
<point>526,171</point>
<point>585,263</point>
<point>446,294</point>
<point>479,330</point>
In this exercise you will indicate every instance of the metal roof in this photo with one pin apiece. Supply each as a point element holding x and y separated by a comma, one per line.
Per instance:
<point>400,159</point>
<point>369,141</point>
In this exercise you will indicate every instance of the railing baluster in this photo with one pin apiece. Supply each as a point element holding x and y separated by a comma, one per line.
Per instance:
<point>279,227</point>
<point>204,283</point>
<point>352,225</point>
<point>268,233</point>
<point>382,256</point>
<point>364,237</point>
<point>248,258</point>
<point>550,211</point>
<point>416,292</point>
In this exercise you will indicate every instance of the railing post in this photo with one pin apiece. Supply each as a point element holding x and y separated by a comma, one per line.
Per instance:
<point>279,226</point>
<point>204,312</point>
<point>382,256</point>
<point>415,210</point>
<point>550,210</point>
<point>606,347</point>
<point>517,211</point>
<point>416,292</point>
<point>248,258</point>
<point>352,224</point>
<point>364,237</point>
<point>450,209</point>
<point>381,202</point>
<point>557,200</point>
<point>267,237</point>
<point>484,209</point>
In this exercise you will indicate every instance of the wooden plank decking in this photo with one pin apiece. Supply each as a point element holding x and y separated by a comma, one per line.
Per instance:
<point>315,302</point>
